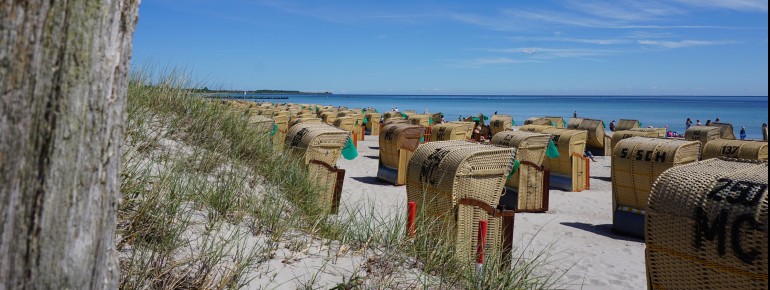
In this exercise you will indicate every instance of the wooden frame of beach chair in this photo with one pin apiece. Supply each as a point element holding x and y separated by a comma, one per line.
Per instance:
<point>527,190</point>
<point>627,124</point>
<point>500,123</point>
<point>458,183</point>
<point>309,120</point>
<point>574,123</point>
<point>598,143</point>
<point>452,131</point>
<point>661,132</point>
<point>636,164</point>
<point>742,149</point>
<point>320,146</point>
<point>625,134</point>
<point>328,117</point>
<point>702,134</point>
<point>570,171</point>
<point>706,226</point>
<point>397,145</point>
<point>391,115</point>
<point>373,126</point>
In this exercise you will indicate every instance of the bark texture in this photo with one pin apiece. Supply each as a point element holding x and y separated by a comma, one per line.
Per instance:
<point>63,79</point>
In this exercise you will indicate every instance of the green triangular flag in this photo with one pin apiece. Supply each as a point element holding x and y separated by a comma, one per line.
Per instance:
<point>422,139</point>
<point>349,152</point>
<point>604,126</point>
<point>552,152</point>
<point>405,116</point>
<point>476,119</point>
<point>640,124</point>
<point>366,120</point>
<point>430,121</point>
<point>275,129</point>
<point>515,168</point>
<point>363,111</point>
<point>513,123</point>
<point>553,123</point>
<point>485,117</point>
<point>564,123</point>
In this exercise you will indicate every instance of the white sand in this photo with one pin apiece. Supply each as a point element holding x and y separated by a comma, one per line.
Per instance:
<point>577,226</point>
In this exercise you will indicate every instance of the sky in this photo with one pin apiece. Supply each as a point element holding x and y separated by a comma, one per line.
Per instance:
<point>525,47</point>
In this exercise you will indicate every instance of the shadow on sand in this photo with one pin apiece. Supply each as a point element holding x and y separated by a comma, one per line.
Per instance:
<point>603,230</point>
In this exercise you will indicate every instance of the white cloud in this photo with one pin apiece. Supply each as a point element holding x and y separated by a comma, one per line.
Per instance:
<point>739,5</point>
<point>483,62</point>
<point>681,43</point>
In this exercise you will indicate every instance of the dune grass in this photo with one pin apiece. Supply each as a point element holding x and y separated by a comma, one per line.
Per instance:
<point>207,202</point>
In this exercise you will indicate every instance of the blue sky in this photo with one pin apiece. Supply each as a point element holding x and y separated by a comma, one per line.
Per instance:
<point>563,47</point>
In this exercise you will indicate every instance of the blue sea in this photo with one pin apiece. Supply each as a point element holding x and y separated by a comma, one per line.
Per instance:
<point>656,111</point>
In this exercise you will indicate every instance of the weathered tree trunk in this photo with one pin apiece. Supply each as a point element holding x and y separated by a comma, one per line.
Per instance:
<point>63,78</point>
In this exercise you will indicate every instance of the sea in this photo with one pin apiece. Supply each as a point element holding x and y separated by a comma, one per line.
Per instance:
<point>656,111</point>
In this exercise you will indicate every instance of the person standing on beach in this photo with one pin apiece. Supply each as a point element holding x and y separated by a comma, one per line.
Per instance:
<point>743,133</point>
<point>574,114</point>
<point>698,123</point>
<point>716,120</point>
<point>764,131</point>
<point>688,124</point>
<point>708,122</point>
<point>612,126</point>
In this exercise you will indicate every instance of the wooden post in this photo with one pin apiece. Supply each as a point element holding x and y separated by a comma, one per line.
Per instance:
<point>481,245</point>
<point>410,215</point>
<point>546,188</point>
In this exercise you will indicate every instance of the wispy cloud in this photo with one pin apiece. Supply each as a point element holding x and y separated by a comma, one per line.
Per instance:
<point>739,5</point>
<point>542,53</point>
<point>681,43</point>
<point>485,62</point>
<point>624,11</point>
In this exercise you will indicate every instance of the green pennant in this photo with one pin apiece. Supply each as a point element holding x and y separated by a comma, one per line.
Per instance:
<point>603,126</point>
<point>349,152</point>
<point>640,124</point>
<point>405,116</point>
<point>485,117</point>
<point>552,152</point>
<point>553,123</point>
<point>430,121</point>
<point>564,122</point>
<point>513,123</point>
<point>366,120</point>
<point>275,130</point>
<point>514,169</point>
<point>476,119</point>
<point>422,139</point>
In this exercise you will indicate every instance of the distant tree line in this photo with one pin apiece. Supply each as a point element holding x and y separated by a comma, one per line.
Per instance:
<point>207,90</point>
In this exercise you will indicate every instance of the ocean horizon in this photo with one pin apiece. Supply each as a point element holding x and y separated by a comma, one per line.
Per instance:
<point>656,111</point>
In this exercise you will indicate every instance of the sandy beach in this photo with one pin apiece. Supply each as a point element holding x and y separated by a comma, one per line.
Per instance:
<point>575,233</point>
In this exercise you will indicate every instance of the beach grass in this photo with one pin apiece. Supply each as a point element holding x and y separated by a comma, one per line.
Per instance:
<point>207,202</point>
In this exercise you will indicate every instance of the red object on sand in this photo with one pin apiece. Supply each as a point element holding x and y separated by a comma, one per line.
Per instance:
<point>411,211</point>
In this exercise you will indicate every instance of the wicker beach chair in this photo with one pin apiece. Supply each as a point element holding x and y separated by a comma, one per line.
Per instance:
<point>570,171</point>
<point>397,145</point>
<point>598,142</point>
<point>452,131</point>
<point>320,146</point>
<point>373,126</point>
<point>527,190</point>
<point>743,149</point>
<point>457,184</point>
<point>702,134</point>
<point>627,124</point>
<point>706,226</point>
<point>636,164</point>
<point>625,134</point>
<point>500,123</point>
<point>660,132</point>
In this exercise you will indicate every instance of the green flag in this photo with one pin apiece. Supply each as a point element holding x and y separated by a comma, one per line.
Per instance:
<point>552,152</point>
<point>564,122</point>
<point>553,123</point>
<point>640,124</point>
<point>275,129</point>
<point>476,119</point>
<point>515,168</point>
<point>349,152</point>
<point>405,116</point>
<point>366,120</point>
<point>430,121</point>
<point>422,139</point>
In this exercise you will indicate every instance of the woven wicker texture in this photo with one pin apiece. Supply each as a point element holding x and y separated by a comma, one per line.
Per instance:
<point>282,121</point>
<point>535,128</point>
<point>702,134</point>
<point>452,131</point>
<point>263,123</point>
<point>571,145</point>
<point>345,123</point>
<point>374,123</point>
<point>627,124</point>
<point>437,117</point>
<point>620,135</point>
<point>725,130</point>
<point>440,173</point>
<point>395,121</point>
<point>391,115</point>
<point>530,147</point>
<point>706,226</point>
<point>265,112</point>
<point>317,142</point>
<point>300,120</point>
<point>500,123</point>
<point>328,117</point>
<point>395,137</point>
<point>574,123</point>
<point>544,121</point>
<point>743,149</point>
<point>595,129</point>
<point>661,132</point>
<point>418,119</point>
<point>326,180</point>
<point>638,161</point>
